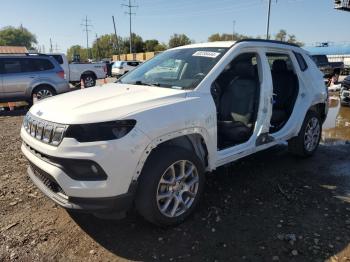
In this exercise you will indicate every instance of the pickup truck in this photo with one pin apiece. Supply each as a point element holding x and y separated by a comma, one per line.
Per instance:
<point>75,72</point>
<point>326,67</point>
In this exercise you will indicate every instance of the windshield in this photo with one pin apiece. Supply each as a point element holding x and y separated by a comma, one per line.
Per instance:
<point>179,68</point>
<point>117,64</point>
<point>320,59</point>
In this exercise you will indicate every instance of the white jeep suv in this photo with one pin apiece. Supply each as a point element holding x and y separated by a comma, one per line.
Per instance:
<point>148,139</point>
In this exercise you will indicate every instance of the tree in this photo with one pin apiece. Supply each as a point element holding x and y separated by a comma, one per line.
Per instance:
<point>226,37</point>
<point>179,40</point>
<point>281,35</point>
<point>104,46</point>
<point>150,45</point>
<point>20,36</point>
<point>160,47</point>
<point>77,50</point>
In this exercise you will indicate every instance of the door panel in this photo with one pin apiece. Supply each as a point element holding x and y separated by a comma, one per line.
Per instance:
<point>16,78</point>
<point>263,113</point>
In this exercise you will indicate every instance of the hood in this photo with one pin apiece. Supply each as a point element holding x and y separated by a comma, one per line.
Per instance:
<point>103,103</point>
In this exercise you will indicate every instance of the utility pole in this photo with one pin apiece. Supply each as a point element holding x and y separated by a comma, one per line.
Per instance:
<point>268,21</point>
<point>116,38</point>
<point>233,30</point>
<point>51,49</point>
<point>86,29</point>
<point>130,13</point>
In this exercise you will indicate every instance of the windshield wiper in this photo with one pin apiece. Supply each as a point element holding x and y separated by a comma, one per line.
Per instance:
<point>145,83</point>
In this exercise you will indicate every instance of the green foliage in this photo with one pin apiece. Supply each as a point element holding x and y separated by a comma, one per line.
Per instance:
<point>179,40</point>
<point>150,45</point>
<point>283,36</point>
<point>77,50</point>
<point>12,36</point>
<point>226,37</point>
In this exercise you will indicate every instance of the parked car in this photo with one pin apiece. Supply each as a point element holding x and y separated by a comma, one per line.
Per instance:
<point>345,91</point>
<point>75,72</point>
<point>147,140</point>
<point>328,68</point>
<point>21,77</point>
<point>120,68</point>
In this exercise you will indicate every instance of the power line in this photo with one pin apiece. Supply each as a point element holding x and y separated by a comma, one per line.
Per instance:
<point>86,29</point>
<point>130,13</point>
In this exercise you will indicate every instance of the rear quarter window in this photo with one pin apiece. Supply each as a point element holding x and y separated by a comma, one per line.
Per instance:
<point>58,58</point>
<point>43,64</point>
<point>301,61</point>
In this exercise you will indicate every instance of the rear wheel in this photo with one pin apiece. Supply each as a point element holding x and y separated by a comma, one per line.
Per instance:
<point>308,139</point>
<point>89,80</point>
<point>170,186</point>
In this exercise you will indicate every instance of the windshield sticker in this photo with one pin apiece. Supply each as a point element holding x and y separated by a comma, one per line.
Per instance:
<point>206,54</point>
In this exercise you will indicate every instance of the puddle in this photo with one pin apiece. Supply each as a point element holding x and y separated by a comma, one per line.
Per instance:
<point>336,129</point>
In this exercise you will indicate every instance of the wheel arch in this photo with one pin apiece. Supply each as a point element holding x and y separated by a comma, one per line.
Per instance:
<point>88,72</point>
<point>321,109</point>
<point>192,141</point>
<point>36,87</point>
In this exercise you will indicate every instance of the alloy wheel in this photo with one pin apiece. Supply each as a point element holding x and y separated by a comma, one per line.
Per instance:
<point>177,188</point>
<point>312,134</point>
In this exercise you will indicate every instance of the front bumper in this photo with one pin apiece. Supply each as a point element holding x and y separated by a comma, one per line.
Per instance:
<point>51,189</point>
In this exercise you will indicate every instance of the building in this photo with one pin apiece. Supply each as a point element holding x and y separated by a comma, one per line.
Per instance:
<point>8,50</point>
<point>334,52</point>
<point>342,5</point>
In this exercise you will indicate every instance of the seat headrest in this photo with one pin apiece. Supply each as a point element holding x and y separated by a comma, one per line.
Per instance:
<point>279,66</point>
<point>244,69</point>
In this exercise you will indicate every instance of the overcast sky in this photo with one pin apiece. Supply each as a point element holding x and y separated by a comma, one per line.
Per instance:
<point>310,20</point>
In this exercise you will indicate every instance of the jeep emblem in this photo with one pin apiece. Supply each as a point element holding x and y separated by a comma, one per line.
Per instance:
<point>39,113</point>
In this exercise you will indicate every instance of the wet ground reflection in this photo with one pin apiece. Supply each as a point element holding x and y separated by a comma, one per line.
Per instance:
<point>336,129</point>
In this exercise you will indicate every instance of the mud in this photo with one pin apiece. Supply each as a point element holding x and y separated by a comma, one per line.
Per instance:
<point>267,207</point>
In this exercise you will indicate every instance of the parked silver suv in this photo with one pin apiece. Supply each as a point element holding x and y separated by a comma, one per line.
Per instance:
<point>23,76</point>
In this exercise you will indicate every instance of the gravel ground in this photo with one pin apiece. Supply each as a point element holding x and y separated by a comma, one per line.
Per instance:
<point>267,207</point>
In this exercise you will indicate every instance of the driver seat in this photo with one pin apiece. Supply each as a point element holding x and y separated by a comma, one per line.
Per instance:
<point>236,110</point>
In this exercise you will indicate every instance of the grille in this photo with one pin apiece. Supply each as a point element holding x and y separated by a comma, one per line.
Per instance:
<point>45,131</point>
<point>47,180</point>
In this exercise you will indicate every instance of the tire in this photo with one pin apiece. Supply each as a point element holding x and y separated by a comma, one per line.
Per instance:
<point>311,130</point>
<point>89,80</point>
<point>43,92</point>
<point>151,191</point>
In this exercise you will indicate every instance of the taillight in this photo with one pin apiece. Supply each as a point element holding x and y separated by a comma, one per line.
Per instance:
<point>61,74</point>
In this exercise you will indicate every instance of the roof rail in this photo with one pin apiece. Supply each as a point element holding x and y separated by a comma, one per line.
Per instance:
<point>266,41</point>
<point>23,54</point>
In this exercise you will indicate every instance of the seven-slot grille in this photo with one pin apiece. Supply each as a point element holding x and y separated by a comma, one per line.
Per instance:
<point>45,131</point>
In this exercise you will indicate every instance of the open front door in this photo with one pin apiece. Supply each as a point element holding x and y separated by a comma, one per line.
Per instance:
<point>243,96</point>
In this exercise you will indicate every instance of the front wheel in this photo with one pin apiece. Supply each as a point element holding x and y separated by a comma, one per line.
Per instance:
<point>308,139</point>
<point>170,186</point>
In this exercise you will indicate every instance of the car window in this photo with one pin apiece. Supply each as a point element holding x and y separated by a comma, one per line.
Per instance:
<point>12,66</point>
<point>42,64</point>
<point>117,64</point>
<point>277,58</point>
<point>58,58</point>
<point>182,68</point>
<point>301,61</point>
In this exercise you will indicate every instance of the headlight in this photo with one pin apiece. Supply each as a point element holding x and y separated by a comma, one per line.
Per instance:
<point>100,131</point>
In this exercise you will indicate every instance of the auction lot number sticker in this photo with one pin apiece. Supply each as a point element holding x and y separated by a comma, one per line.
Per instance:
<point>206,54</point>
